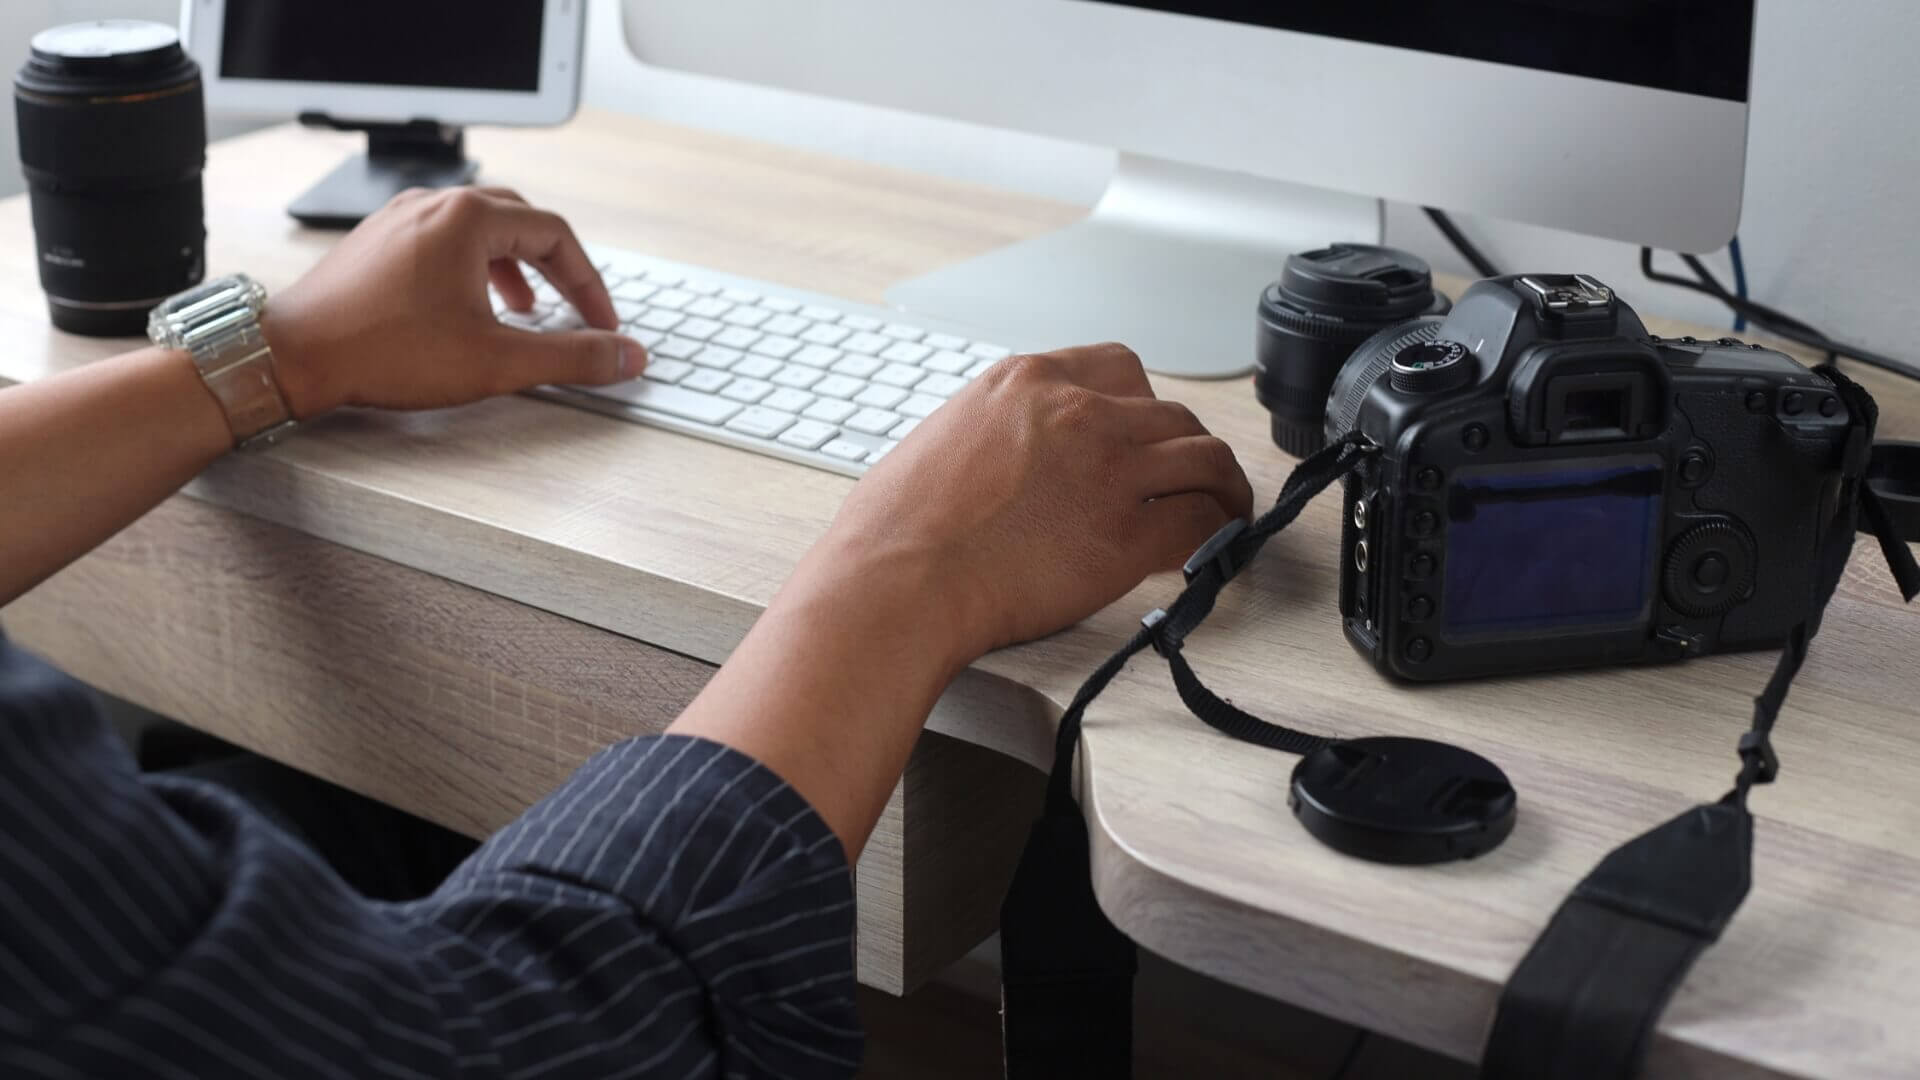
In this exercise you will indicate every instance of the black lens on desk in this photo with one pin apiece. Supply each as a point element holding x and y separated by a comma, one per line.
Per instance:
<point>1326,303</point>
<point>113,140</point>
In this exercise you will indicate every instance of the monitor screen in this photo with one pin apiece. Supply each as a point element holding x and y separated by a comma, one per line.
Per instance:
<point>1699,47</point>
<point>428,43</point>
<point>1549,550</point>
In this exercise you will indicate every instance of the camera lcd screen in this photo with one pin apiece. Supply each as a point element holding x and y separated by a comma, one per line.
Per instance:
<point>429,43</point>
<point>1548,550</point>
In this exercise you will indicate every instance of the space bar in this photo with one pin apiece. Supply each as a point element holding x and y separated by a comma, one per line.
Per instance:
<point>671,400</point>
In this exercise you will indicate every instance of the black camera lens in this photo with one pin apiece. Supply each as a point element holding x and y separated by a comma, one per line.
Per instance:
<point>113,139</point>
<point>1325,303</point>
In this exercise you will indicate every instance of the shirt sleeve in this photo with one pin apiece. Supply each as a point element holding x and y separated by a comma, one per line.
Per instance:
<point>674,910</point>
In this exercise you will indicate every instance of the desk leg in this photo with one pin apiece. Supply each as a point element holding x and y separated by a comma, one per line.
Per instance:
<point>464,707</point>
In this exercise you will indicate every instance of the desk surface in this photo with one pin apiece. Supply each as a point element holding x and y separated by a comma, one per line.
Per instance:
<point>680,544</point>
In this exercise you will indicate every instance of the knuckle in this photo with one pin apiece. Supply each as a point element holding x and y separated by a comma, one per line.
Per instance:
<point>1217,457</point>
<point>1076,410</point>
<point>1023,369</point>
<point>1114,352</point>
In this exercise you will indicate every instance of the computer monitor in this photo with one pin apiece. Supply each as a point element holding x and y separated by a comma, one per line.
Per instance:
<point>408,72</point>
<point>1248,130</point>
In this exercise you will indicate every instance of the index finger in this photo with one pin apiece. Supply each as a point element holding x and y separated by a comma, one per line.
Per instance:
<point>518,231</point>
<point>1111,369</point>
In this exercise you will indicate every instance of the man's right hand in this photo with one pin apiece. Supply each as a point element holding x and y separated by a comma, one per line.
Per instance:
<point>1041,494</point>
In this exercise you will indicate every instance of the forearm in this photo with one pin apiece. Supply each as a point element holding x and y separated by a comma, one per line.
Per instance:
<point>86,453</point>
<point>832,685</point>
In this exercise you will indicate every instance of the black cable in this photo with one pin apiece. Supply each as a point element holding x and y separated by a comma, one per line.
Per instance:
<point>1480,263</point>
<point>1352,1056</point>
<point>1772,320</point>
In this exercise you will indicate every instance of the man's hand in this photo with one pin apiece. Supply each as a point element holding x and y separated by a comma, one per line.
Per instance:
<point>397,315</point>
<point>1040,495</point>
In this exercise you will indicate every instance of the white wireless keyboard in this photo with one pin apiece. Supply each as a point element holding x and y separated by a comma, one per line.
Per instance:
<point>765,368</point>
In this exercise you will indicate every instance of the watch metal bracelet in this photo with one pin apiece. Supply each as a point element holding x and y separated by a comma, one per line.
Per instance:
<point>218,324</point>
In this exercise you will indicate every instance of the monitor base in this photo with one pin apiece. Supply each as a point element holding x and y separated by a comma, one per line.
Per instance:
<point>1171,262</point>
<point>422,154</point>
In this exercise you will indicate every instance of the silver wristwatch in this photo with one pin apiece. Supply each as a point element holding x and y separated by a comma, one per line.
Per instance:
<point>219,324</point>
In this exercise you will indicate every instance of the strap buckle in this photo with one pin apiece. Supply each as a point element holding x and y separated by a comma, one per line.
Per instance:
<point>1756,751</point>
<point>1218,550</point>
<point>1153,621</point>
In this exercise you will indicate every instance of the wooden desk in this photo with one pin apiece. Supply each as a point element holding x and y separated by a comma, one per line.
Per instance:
<point>445,610</point>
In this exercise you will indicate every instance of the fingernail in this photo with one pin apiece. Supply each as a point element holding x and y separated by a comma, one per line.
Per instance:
<point>633,359</point>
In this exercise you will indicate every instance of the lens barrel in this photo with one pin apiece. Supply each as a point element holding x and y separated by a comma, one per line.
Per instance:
<point>1326,303</point>
<point>113,141</point>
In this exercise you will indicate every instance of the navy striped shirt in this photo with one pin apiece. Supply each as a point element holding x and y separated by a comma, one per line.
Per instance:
<point>673,910</point>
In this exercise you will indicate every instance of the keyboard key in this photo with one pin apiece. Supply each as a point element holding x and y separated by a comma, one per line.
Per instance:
<point>740,296</point>
<point>988,352</point>
<point>629,310</point>
<point>870,344</point>
<point>713,356</point>
<point>820,314</point>
<point>672,299</point>
<point>980,368</point>
<point>529,321</point>
<point>545,293</point>
<point>698,329</point>
<point>899,375</point>
<point>756,367</point>
<point>649,338</point>
<point>565,319</point>
<point>667,371</point>
<point>701,288</point>
<point>635,291</point>
<point>736,337</point>
<point>921,405</point>
<point>709,307</point>
<point>671,400</point>
<point>780,304</point>
<point>844,450</point>
<point>747,316</point>
<point>763,422</point>
<point>707,380</point>
<point>787,399</point>
<point>777,347</point>
<point>677,348</point>
<point>906,352</point>
<point>809,434</point>
<point>829,411</point>
<point>875,457</point>
<point>660,319</point>
<point>795,375</point>
<point>945,342</point>
<point>747,390</point>
<point>904,428</point>
<point>826,334</point>
<point>873,421</point>
<point>859,367</point>
<point>860,322</point>
<point>903,333</point>
<point>839,386</point>
<point>816,356</point>
<point>785,325</point>
<point>937,385</point>
<point>664,279</point>
<point>880,397</point>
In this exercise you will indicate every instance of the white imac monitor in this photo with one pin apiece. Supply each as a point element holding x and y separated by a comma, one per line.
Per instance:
<point>408,72</point>
<point>1247,130</point>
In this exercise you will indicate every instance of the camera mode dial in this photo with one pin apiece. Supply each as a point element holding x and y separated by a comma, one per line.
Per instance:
<point>1709,569</point>
<point>1432,367</point>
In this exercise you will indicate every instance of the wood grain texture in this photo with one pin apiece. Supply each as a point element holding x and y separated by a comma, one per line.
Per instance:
<point>455,704</point>
<point>680,544</point>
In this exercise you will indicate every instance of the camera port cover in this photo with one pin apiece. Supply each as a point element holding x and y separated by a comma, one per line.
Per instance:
<point>1402,800</point>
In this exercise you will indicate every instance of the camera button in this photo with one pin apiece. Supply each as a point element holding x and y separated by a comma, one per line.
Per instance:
<point>1794,403</point>
<point>1757,401</point>
<point>1423,524</point>
<point>1419,609</point>
<point>1710,573</point>
<point>1475,437</point>
<point>1694,468</point>
<point>1829,407</point>
<point>1419,649</point>
<point>1427,479</point>
<point>1420,567</point>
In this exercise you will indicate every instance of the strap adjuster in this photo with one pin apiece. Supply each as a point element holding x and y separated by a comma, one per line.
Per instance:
<point>1756,750</point>
<point>1153,621</point>
<point>1217,550</point>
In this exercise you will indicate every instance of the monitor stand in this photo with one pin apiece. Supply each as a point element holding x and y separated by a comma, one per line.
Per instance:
<point>1171,262</point>
<point>399,156</point>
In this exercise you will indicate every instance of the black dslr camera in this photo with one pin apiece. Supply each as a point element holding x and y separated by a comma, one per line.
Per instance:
<point>1560,488</point>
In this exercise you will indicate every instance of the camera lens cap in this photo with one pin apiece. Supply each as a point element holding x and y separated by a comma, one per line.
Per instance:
<point>1401,800</point>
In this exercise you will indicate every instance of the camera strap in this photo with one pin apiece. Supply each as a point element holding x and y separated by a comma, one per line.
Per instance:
<point>1066,983</point>
<point>1583,1003</point>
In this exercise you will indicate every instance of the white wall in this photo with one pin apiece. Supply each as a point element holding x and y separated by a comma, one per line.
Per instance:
<point>1831,229</point>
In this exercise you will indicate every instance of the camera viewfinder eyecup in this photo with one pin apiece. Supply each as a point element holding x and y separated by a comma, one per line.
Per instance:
<point>1325,304</point>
